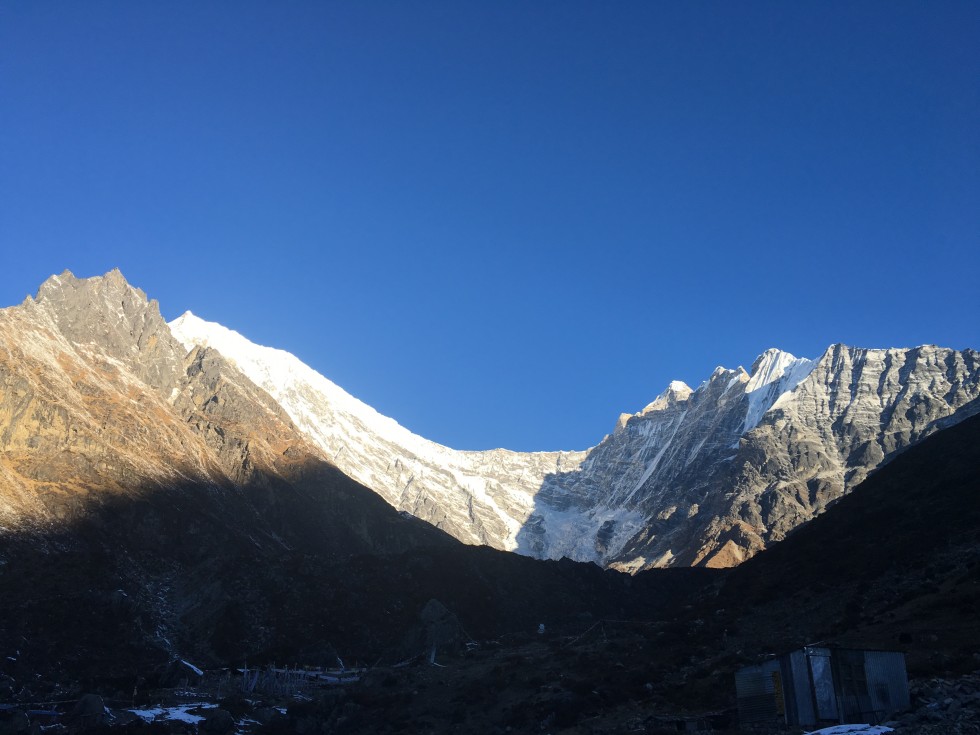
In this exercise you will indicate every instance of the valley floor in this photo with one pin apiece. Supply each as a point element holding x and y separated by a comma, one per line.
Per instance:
<point>600,678</point>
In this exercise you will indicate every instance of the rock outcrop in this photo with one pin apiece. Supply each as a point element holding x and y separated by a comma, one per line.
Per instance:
<point>95,392</point>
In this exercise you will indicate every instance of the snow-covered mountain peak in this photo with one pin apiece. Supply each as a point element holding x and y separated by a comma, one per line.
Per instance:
<point>768,355</point>
<point>769,366</point>
<point>676,392</point>
<point>774,374</point>
<point>193,331</point>
<point>722,380</point>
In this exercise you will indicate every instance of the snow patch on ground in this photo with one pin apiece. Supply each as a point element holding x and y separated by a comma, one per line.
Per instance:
<point>180,712</point>
<point>852,730</point>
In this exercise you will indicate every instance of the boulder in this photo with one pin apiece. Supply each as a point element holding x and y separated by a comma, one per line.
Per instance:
<point>218,722</point>
<point>89,712</point>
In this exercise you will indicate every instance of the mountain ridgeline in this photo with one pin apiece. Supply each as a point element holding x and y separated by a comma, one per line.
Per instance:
<point>100,392</point>
<point>700,477</point>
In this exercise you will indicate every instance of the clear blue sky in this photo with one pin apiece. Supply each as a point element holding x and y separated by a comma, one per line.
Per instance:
<point>504,223</point>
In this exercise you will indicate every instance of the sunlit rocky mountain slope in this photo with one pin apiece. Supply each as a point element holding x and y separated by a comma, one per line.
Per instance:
<point>706,476</point>
<point>99,403</point>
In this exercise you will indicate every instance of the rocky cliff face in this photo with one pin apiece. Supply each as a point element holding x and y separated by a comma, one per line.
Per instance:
<point>699,477</point>
<point>717,487</point>
<point>96,393</point>
<point>633,483</point>
<point>74,405</point>
<point>856,410</point>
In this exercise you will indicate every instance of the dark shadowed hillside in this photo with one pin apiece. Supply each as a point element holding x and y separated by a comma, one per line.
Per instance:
<point>896,564</point>
<point>194,572</point>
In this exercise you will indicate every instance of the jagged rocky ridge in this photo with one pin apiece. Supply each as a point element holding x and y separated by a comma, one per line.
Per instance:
<point>708,476</point>
<point>716,489</point>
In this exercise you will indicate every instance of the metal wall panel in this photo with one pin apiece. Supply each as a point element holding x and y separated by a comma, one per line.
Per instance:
<point>822,681</point>
<point>888,684</point>
<point>802,694</point>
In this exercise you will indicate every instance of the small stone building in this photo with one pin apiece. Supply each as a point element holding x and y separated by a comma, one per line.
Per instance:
<point>819,685</point>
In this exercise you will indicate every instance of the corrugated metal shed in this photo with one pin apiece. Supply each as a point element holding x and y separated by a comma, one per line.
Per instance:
<point>818,684</point>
